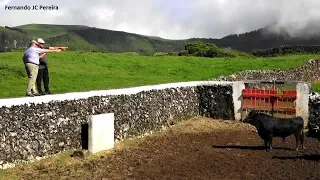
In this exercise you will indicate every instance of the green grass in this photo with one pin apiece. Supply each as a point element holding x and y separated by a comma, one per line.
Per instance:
<point>83,71</point>
<point>316,86</point>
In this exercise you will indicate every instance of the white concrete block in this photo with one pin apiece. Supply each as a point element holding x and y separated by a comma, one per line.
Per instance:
<point>237,88</point>
<point>101,132</point>
<point>302,102</point>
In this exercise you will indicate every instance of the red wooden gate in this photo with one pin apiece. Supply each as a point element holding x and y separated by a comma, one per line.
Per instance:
<point>270,102</point>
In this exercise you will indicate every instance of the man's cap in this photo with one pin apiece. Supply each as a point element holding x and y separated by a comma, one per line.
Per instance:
<point>39,40</point>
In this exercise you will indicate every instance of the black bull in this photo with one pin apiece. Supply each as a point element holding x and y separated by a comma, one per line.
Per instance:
<point>269,127</point>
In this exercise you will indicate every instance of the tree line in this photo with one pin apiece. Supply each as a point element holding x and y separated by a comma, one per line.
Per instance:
<point>287,49</point>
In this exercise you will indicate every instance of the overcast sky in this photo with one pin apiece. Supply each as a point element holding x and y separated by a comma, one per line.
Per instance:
<point>172,19</point>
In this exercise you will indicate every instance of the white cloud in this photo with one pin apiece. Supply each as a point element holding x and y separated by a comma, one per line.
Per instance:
<point>177,19</point>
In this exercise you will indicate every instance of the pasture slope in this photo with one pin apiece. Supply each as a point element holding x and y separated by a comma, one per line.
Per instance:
<point>199,148</point>
<point>85,71</point>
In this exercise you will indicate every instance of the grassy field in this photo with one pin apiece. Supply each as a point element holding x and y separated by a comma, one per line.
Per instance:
<point>83,71</point>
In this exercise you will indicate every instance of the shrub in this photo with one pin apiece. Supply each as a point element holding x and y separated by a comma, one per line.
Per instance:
<point>201,49</point>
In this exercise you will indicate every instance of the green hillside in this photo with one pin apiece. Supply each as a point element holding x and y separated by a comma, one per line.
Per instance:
<point>46,31</point>
<point>117,41</point>
<point>85,38</point>
<point>10,39</point>
<point>73,41</point>
<point>89,38</point>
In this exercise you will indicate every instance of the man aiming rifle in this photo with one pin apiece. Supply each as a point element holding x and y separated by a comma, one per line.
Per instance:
<point>31,61</point>
<point>43,73</point>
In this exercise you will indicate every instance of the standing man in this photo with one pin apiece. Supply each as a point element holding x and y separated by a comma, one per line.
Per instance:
<point>31,62</point>
<point>43,73</point>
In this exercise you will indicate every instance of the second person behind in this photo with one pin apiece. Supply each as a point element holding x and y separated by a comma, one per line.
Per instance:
<point>43,73</point>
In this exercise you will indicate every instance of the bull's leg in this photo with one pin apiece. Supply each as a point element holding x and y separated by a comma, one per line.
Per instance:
<point>266,144</point>
<point>302,139</point>
<point>284,140</point>
<point>270,145</point>
<point>270,142</point>
<point>297,136</point>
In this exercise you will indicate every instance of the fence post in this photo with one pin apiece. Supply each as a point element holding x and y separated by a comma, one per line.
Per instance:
<point>302,102</point>
<point>237,88</point>
<point>101,132</point>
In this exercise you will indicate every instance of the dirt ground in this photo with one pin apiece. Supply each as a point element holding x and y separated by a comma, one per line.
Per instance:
<point>199,148</point>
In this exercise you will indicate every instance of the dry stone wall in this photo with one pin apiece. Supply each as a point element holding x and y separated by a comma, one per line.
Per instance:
<point>314,108</point>
<point>310,72</point>
<point>32,131</point>
<point>215,102</point>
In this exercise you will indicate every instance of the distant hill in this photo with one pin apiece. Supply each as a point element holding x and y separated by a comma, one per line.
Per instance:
<point>46,31</point>
<point>12,39</point>
<point>86,38</point>
<point>73,41</point>
<point>264,39</point>
<point>94,39</point>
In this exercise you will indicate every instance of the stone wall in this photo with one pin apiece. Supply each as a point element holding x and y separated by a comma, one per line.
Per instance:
<point>215,102</point>
<point>310,72</point>
<point>51,124</point>
<point>314,108</point>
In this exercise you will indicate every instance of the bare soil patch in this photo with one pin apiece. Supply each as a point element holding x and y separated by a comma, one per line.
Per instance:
<point>199,148</point>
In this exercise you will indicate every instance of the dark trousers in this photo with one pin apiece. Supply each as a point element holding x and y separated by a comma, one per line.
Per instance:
<point>43,74</point>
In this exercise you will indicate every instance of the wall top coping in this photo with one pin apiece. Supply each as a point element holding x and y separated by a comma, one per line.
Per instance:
<point>83,95</point>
